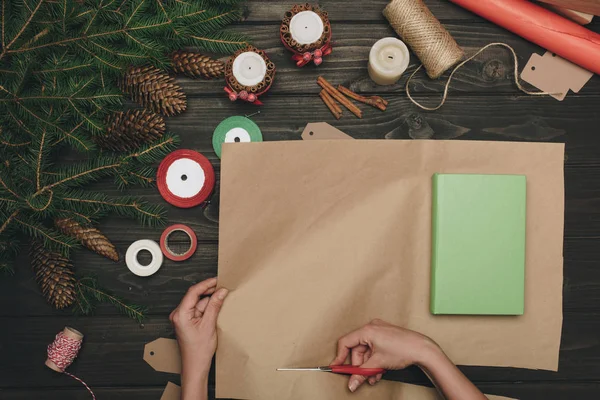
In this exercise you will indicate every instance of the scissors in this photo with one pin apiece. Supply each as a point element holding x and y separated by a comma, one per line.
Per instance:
<point>341,369</point>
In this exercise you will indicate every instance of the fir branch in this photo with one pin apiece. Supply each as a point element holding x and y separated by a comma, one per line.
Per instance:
<point>92,173</point>
<point>222,42</point>
<point>152,152</point>
<point>33,12</point>
<point>8,221</point>
<point>131,207</point>
<point>39,160</point>
<point>6,269</point>
<point>9,190</point>
<point>89,292</point>
<point>85,145</point>
<point>52,239</point>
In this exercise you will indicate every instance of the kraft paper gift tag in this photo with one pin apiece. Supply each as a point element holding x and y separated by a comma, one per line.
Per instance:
<point>555,75</point>
<point>319,237</point>
<point>163,355</point>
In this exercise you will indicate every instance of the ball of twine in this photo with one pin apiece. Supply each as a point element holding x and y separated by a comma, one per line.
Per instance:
<point>425,35</point>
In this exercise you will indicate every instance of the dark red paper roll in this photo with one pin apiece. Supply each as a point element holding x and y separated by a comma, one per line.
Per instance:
<point>185,178</point>
<point>542,27</point>
<point>170,254</point>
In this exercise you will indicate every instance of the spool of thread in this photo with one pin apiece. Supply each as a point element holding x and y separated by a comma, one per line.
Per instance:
<point>428,39</point>
<point>172,254</point>
<point>388,59</point>
<point>235,129</point>
<point>63,351</point>
<point>185,178</point>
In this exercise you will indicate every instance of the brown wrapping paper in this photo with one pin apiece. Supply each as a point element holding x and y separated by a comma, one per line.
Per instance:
<point>319,237</point>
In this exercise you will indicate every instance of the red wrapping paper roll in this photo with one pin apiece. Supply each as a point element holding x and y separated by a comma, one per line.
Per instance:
<point>542,27</point>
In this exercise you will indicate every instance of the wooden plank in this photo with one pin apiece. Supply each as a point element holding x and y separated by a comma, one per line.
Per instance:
<point>113,346</point>
<point>588,6</point>
<point>260,11</point>
<point>523,391</point>
<point>490,73</point>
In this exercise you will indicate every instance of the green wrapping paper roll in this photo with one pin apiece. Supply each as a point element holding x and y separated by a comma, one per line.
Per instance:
<point>235,129</point>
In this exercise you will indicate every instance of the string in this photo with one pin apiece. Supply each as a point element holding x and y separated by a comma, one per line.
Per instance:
<point>445,96</point>
<point>62,351</point>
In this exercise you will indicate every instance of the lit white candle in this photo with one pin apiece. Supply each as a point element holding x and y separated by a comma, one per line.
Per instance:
<point>306,27</point>
<point>388,60</point>
<point>249,68</point>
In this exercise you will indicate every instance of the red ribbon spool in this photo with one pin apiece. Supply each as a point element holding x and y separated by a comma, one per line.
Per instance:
<point>193,161</point>
<point>170,254</point>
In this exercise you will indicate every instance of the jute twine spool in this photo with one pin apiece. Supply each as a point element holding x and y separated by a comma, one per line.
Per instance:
<point>425,35</point>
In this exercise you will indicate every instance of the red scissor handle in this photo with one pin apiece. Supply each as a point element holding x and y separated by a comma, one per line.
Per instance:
<point>352,370</point>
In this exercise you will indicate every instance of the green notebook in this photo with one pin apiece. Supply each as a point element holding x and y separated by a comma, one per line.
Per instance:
<point>478,245</point>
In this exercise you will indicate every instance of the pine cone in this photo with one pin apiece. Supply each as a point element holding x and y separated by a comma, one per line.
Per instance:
<point>90,237</point>
<point>54,275</point>
<point>154,89</point>
<point>129,130</point>
<point>196,65</point>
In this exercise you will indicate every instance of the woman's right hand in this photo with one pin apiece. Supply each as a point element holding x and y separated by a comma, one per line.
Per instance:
<point>382,345</point>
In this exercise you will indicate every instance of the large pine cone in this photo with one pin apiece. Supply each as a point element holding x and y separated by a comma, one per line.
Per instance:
<point>129,130</point>
<point>90,237</point>
<point>54,275</point>
<point>154,89</point>
<point>196,65</point>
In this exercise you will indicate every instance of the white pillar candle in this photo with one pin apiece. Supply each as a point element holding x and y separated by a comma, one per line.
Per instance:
<point>306,27</point>
<point>249,68</point>
<point>388,60</point>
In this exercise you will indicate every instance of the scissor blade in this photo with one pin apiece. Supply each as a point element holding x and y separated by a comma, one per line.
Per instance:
<point>299,369</point>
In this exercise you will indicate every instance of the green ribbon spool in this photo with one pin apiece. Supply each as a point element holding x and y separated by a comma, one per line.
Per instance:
<point>233,130</point>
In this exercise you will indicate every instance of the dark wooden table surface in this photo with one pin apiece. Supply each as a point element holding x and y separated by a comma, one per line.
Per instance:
<point>483,105</point>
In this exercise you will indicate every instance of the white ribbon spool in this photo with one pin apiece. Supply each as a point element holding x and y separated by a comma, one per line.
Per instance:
<point>185,178</point>
<point>388,59</point>
<point>306,27</point>
<point>249,68</point>
<point>134,265</point>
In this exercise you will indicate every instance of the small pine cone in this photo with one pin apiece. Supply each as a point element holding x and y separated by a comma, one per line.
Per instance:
<point>154,89</point>
<point>196,65</point>
<point>54,275</point>
<point>90,237</point>
<point>129,130</point>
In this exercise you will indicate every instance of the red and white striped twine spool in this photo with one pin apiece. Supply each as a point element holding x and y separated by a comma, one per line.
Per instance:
<point>63,351</point>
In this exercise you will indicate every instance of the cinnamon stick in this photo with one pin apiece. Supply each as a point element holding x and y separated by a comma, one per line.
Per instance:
<point>339,97</point>
<point>374,101</point>
<point>331,104</point>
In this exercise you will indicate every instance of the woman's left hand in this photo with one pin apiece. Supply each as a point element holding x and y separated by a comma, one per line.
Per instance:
<point>195,321</point>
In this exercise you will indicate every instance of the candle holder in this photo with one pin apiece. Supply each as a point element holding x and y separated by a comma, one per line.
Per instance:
<point>248,74</point>
<point>306,31</point>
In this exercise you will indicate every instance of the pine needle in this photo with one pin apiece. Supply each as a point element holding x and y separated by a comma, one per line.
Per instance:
<point>89,294</point>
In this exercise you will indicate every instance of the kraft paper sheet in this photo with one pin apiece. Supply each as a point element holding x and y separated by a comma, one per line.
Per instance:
<point>319,237</point>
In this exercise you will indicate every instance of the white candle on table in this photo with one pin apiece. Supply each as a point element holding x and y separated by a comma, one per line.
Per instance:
<point>306,27</point>
<point>249,68</point>
<point>388,60</point>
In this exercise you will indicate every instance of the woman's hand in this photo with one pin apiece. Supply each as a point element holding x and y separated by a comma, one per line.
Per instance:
<point>195,321</point>
<point>382,345</point>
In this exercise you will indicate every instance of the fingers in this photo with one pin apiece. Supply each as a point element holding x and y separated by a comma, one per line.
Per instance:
<point>189,301</point>
<point>214,306</point>
<point>346,343</point>
<point>201,307</point>
<point>359,355</point>
<point>357,380</point>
